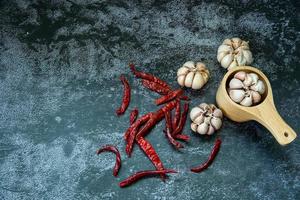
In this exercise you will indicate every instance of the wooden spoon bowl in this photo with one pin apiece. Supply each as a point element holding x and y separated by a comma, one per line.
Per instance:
<point>265,112</point>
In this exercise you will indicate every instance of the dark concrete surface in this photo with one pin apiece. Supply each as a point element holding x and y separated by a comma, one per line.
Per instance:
<point>59,87</point>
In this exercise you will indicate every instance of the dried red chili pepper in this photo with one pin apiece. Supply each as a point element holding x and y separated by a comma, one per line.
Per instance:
<point>168,131</point>
<point>182,137</point>
<point>126,96</point>
<point>185,98</point>
<point>111,148</point>
<point>182,120</point>
<point>155,118</point>
<point>211,158</point>
<point>147,76</point>
<point>133,132</point>
<point>160,89</point>
<point>176,115</point>
<point>133,115</point>
<point>151,153</point>
<point>170,96</point>
<point>137,176</point>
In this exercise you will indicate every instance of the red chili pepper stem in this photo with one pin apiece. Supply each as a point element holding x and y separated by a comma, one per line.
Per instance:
<point>139,175</point>
<point>126,96</point>
<point>113,149</point>
<point>211,158</point>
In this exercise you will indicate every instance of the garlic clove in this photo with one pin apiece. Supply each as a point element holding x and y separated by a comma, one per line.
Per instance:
<point>237,95</point>
<point>227,42</point>
<point>204,106</point>
<point>240,59</point>
<point>182,71</point>
<point>194,127</point>
<point>226,61</point>
<point>240,75</point>
<point>195,112</point>
<point>247,101</point>
<point>205,76</point>
<point>248,56</point>
<point>255,97</point>
<point>259,87</point>
<point>221,55</point>
<point>198,81</point>
<point>218,113</point>
<point>235,84</point>
<point>199,120</point>
<point>202,128</point>
<point>211,130</point>
<point>200,66</point>
<point>224,48</point>
<point>216,123</point>
<point>248,80</point>
<point>189,64</point>
<point>189,79</point>
<point>212,106</point>
<point>181,80</point>
<point>254,77</point>
<point>233,64</point>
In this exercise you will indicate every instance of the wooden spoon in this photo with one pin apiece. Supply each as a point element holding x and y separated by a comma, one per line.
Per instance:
<point>265,112</point>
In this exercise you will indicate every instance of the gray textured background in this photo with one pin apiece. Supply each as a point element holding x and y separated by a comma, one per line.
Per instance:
<point>59,68</point>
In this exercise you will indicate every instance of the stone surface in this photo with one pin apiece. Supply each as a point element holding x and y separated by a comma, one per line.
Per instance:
<point>59,87</point>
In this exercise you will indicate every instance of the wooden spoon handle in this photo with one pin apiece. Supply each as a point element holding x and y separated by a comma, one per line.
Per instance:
<point>269,117</point>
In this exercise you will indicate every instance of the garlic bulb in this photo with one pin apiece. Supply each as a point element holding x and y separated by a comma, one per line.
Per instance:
<point>246,88</point>
<point>206,119</point>
<point>193,75</point>
<point>234,52</point>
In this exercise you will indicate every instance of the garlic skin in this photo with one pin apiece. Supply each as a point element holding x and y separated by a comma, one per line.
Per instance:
<point>192,75</point>
<point>234,52</point>
<point>246,88</point>
<point>206,119</point>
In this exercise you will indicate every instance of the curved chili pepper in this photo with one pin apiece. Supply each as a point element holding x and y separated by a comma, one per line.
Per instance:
<point>111,148</point>
<point>133,132</point>
<point>160,89</point>
<point>137,176</point>
<point>151,153</point>
<point>176,115</point>
<point>133,115</point>
<point>182,120</point>
<point>168,131</point>
<point>147,76</point>
<point>126,96</point>
<point>170,96</point>
<point>211,158</point>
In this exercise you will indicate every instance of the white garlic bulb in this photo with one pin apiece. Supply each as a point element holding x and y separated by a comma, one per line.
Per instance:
<point>234,52</point>
<point>193,75</point>
<point>246,88</point>
<point>206,119</point>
